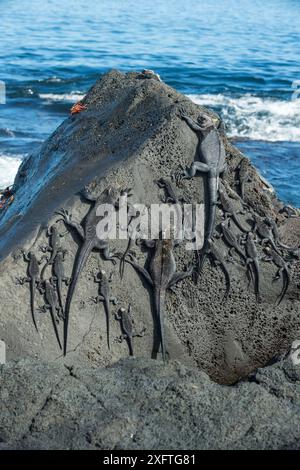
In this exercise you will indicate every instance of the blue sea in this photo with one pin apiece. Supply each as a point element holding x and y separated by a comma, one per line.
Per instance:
<point>239,57</point>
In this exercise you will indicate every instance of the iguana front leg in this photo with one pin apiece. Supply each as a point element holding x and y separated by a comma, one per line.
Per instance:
<point>26,256</point>
<point>230,256</point>
<point>54,236</point>
<point>65,280</point>
<point>45,249</point>
<point>100,298</point>
<point>88,196</point>
<point>180,276</point>
<point>43,309</point>
<point>141,334</point>
<point>103,246</point>
<point>196,166</point>
<point>191,171</point>
<point>20,281</point>
<point>67,219</point>
<point>191,122</point>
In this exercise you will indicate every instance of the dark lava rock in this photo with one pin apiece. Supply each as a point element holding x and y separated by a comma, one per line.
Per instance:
<point>141,404</point>
<point>129,136</point>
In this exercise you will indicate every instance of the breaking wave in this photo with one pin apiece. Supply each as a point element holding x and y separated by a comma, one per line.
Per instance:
<point>6,132</point>
<point>254,117</point>
<point>9,165</point>
<point>70,97</point>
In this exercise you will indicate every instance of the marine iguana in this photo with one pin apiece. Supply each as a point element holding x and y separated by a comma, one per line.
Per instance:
<point>52,305</point>
<point>229,210</point>
<point>104,296</point>
<point>226,188</point>
<point>161,276</point>
<point>146,73</point>
<point>212,162</point>
<point>171,195</point>
<point>283,271</point>
<point>54,246</point>
<point>126,322</point>
<point>88,234</point>
<point>232,241</point>
<point>275,232</point>
<point>33,278</point>
<point>243,175</point>
<point>264,230</point>
<point>289,211</point>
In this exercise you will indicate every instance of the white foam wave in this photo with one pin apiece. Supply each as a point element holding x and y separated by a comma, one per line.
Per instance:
<point>7,132</point>
<point>53,80</point>
<point>254,117</point>
<point>71,97</point>
<point>8,168</point>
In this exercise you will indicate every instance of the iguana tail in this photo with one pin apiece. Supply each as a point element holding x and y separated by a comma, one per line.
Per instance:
<point>228,283</point>
<point>160,316</point>
<point>32,297</point>
<point>286,282</point>
<point>130,347</point>
<point>59,289</point>
<point>123,258</point>
<point>212,195</point>
<point>78,267</point>
<point>257,280</point>
<point>55,326</point>
<point>242,188</point>
<point>202,255</point>
<point>106,308</point>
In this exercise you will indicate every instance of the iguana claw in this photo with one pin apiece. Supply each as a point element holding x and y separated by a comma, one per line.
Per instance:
<point>66,217</point>
<point>181,114</point>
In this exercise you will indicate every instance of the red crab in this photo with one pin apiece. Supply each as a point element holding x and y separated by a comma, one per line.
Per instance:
<point>6,197</point>
<point>78,107</point>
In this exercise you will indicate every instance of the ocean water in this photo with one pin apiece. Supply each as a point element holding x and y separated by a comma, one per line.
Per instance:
<point>239,57</point>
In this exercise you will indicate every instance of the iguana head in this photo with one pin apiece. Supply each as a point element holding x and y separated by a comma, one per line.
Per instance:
<point>206,121</point>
